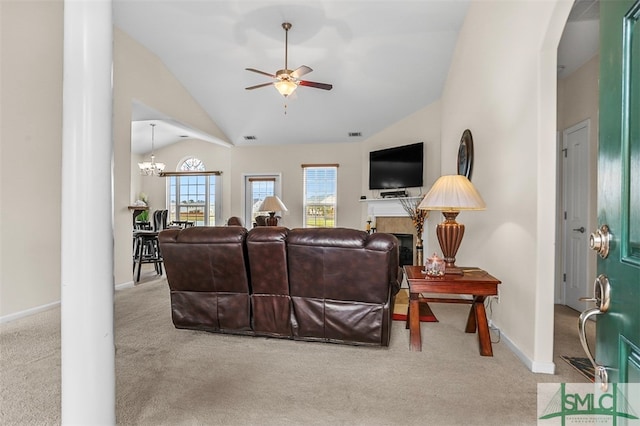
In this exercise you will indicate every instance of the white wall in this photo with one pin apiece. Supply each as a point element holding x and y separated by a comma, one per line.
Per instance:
<point>352,157</point>
<point>30,154</point>
<point>502,86</point>
<point>287,160</point>
<point>421,126</point>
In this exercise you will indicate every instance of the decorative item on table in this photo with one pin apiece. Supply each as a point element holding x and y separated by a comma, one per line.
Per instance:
<point>450,195</point>
<point>435,266</point>
<point>142,201</point>
<point>368,228</point>
<point>418,216</point>
<point>272,204</point>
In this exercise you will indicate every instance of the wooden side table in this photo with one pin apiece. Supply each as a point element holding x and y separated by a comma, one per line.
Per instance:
<point>475,282</point>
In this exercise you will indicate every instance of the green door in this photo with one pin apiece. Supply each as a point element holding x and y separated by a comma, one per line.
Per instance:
<point>618,330</point>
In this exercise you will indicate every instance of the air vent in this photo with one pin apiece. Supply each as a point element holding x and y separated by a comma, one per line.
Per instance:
<point>355,134</point>
<point>184,136</point>
<point>250,138</point>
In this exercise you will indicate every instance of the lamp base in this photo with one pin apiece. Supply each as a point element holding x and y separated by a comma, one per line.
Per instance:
<point>453,270</point>
<point>450,235</point>
<point>272,220</point>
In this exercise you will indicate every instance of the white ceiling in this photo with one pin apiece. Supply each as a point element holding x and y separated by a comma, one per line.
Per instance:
<point>385,59</point>
<point>581,37</point>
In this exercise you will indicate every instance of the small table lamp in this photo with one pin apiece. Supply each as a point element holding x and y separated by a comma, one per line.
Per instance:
<point>272,204</point>
<point>451,194</point>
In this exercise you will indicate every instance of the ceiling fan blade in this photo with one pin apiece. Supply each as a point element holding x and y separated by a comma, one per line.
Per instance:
<point>300,71</point>
<point>257,86</point>
<point>260,72</point>
<point>324,86</point>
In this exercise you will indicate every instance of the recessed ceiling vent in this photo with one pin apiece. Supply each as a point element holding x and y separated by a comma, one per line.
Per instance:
<point>355,134</point>
<point>250,138</point>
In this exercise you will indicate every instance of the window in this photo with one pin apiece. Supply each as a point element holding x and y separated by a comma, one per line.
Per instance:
<point>257,188</point>
<point>320,195</point>
<point>192,194</point>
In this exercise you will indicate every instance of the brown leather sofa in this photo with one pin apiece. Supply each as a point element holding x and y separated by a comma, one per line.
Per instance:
<point>331,285</point>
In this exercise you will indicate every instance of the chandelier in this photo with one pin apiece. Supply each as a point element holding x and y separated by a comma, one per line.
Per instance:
<point>151,168</point>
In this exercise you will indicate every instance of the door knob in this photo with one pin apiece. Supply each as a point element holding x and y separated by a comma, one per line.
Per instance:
<point>599,241</point>
<point>602,298</point>
<point>601,294</point>
<point>580,230</point>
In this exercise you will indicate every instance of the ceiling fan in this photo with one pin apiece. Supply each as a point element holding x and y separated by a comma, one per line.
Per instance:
<point>286,80</point>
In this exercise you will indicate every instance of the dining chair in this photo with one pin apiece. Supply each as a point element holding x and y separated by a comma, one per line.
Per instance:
<point>146,250</point>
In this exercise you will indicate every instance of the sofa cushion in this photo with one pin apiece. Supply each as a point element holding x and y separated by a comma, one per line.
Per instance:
<point>208,277</point>
<point>341,264</point>
<point>270,300</point>
<point>342,282</point>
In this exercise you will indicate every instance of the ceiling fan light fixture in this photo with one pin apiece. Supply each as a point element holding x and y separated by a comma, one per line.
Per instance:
<point>285,87</point>
<point>286,80</point>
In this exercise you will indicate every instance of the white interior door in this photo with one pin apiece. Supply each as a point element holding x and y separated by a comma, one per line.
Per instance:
<point>576,214</point>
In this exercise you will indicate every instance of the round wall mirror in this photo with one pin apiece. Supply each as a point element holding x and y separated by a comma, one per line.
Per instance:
<point>465,154</point>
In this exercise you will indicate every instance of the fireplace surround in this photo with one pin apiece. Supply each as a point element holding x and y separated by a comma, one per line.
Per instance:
<point>402,228</point>
<point>387,215</point>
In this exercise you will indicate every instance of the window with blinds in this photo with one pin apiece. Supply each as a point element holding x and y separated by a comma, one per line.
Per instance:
<point>320,183</point>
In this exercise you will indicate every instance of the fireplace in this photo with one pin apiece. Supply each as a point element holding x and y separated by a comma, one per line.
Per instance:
<point>389,216</point>
<point>402,228</point>
<point>406,248</point>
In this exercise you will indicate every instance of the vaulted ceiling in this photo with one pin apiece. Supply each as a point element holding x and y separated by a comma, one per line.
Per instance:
<point>385,60</point>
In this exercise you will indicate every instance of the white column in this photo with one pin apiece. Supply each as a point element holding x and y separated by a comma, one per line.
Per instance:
<point>87,348</point>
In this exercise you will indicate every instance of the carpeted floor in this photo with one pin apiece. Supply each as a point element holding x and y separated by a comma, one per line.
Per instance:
<point>167,376</point>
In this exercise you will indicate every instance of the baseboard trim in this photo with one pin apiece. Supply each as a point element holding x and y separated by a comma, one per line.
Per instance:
<point>29,312</point>
<point>533,366</point>
<point>124,286</point>
<point>56,304</point>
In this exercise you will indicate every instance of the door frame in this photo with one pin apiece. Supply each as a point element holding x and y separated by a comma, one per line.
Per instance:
<point>277,188</point>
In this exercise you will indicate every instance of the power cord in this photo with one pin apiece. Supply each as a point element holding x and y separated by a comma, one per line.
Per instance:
<point>489,306</point>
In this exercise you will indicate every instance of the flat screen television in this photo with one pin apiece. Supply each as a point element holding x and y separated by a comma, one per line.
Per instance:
<point>397,167</point>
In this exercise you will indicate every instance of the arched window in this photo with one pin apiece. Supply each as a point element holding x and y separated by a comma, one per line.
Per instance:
<point>192,165</point>
<point>192,197</point>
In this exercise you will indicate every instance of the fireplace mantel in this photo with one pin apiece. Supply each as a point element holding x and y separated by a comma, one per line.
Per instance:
<point>388,207</point>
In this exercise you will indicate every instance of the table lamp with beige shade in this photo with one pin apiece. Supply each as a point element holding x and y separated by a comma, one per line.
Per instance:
<point>451,194</point>
<point>272,204</point>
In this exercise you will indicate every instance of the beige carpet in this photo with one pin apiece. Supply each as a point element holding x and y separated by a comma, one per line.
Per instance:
<point>167,376</point>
